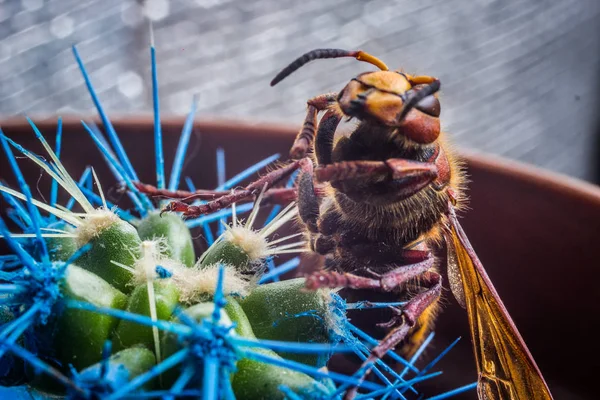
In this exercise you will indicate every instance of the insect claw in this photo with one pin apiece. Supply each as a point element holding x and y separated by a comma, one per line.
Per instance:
<point>368,304</point>
<point>452,196</point>
<point>390,324</point>
<point>299,150</point>
<point>396,320</point>
<point>372,273</point>
<point>176,206</point>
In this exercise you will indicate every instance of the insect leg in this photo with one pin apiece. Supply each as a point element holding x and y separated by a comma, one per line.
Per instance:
<point>324,242</point>
<point>271,196</point>
<point>252,189</point>
<point>347,170</point>
<point>184,195</point>
<point>321,244</point>
<point>306,135</point>
<point>325,134</point>
<point>387,282</point>
<point>308,202</point>
<point>408,177</point>
<point>404,322</point>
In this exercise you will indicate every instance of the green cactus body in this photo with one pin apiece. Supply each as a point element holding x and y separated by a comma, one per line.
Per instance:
<point>118,242</point>
<point>177,235</point>
<point>170,343</point>
<point>80,335</point>
<point>253,379</point>
<point>283,311</point>
<point>256,380</point>
<point>62,248</point>
<point>239,247</point>
<point>129,333</point>
<point>226,252</point>
<point>123,367</point>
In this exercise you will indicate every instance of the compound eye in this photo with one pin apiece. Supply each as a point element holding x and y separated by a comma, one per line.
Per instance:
<point>430,105</point>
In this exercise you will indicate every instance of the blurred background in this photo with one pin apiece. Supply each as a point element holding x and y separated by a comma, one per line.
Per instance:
<point>519,78</point>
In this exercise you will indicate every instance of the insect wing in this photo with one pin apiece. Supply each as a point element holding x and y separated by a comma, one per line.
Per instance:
<point>505,365</point>
<point>456,285</point>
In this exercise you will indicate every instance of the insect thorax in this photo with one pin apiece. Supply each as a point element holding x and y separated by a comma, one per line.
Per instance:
<point>370,210</point>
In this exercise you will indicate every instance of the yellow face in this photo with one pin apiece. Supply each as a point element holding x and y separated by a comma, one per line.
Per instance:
<point>376,94</point>
<point>381,96</point>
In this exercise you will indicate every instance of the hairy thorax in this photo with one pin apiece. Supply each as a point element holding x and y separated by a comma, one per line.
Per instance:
<point>363,221</point>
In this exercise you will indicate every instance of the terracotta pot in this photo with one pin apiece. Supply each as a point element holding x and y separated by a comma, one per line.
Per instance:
<point>535,232</point>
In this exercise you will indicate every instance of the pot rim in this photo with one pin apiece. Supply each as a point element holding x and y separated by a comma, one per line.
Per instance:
<point>545,179</point>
